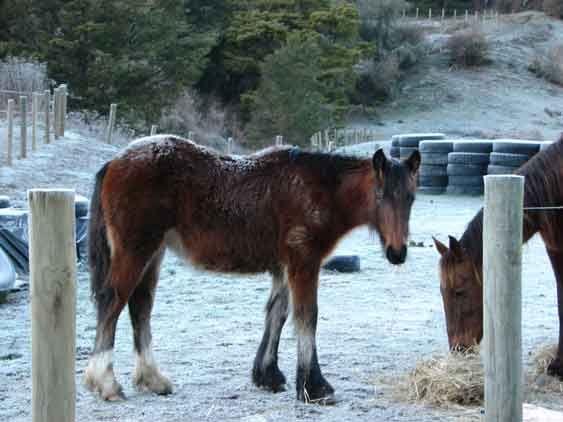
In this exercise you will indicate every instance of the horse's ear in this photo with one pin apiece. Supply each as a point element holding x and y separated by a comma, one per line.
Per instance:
<point>379,162</point>
<point>440,247</point>
<point>455,247</point>
<point>413,162</point>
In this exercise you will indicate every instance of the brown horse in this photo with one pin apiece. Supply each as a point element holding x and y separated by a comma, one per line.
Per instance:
<point>461,265</point>
<point>280,211</point>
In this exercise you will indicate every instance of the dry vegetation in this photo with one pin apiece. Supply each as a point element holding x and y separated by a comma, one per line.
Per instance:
<point>550,65</point>
<point>468,48</point>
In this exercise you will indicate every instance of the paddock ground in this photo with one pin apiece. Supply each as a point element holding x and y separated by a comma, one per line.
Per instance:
<point>372,325</point>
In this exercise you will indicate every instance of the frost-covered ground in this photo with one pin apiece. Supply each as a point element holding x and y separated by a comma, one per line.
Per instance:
<point>375,324</point>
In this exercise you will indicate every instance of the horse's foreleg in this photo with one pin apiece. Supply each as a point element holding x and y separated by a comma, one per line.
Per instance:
<point>123,277</point>
<point>556,257</point>
<point>310,384</point>
<point>265,372</point>
<point>147,376</point>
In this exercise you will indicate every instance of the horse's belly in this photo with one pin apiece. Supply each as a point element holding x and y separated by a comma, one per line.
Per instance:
<point>215,251</point>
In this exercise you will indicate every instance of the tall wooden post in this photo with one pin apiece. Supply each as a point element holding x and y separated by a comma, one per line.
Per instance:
<point>47,116</point>
<point>153,130</point>
<point>429,14</point>
<point>416,13</point>
<point>191,136</point>
<point>10,134</point>
<point>502,270</point>
<point>64,95</point>
<point>111,122</point>
<point>23,126</point>
<point>52,259</point>
<point>56,111</point>
<point>229,146</point>
<point>34,114</point>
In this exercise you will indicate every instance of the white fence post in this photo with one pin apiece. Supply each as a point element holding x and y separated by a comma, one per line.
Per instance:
<point>153,130</point>
<point>111,122</point>
<point>52,259</point>
<point>502,312</point>
<point>416,15</point>
<point>56,111</point>
<point>229,145</point>
<point>10,134</point>
<point>23,127</point>
<point>34,113</point>
<point>64,94</point>
<point>47,116</point>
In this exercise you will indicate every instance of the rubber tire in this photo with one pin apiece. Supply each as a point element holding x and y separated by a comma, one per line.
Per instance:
<point>426,170</point>
<point>495,169</point>
<point>406,152</point>
<point>467,169</point>
<point>436,146</point>
<point>395,141</point>
<point>528,148</point>
<point>343,264</point>
<point>81,206</point>
<point>411,140</point>
<point>468,158</point>
<point>481,147</point>
<point>545,145</point>
<point>508,160</point>
<point>4,201</point>
<point>433,181</point>
<point>465,190</point>
<point>434,159</point>
<point>395,152</point>
<point>7,272</point>
<point>431,190</point>
<point>465,180</point>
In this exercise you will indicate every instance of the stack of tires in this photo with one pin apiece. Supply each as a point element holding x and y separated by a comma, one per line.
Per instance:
<point>508,155</point>
<point>433,176</point>
<point>408,143</point>
<point>395,148</point>
<point>467,165</point>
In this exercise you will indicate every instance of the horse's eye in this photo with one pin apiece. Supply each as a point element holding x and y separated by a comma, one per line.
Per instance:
<point>459,293</point>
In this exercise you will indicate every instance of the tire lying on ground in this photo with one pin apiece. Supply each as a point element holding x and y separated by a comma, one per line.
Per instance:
<point>495,169</point>
<point>435,181</point>
<point>433,159</point>
<point>516,147</point>
<point>4,201</point>
<point>426,170</point>
<point>466,169</point>
<point>431,190</point>
<point>476,181</point>
<point>464,190</point>
<point>411,140</point>
<point>509,160</point>
<point>483,147</point>
<point>395,152</point>
<point>7,275</point>
<point>343,264</point>
<point>405,152</point>
<point>435,146</point>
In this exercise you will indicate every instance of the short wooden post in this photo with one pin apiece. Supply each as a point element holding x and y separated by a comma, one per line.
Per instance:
<point>153,130</point>
<point>191,136</point>
<point>466,16</point>
<point>23,127</point>
<point>476,18</point>
<point>111,122</point>
<point>52,262</point>
<point>429,14</point>
<point>10,137</point>
<point>56,110</point>
<point>416,13</point>
<point>64,95</point>
<point>279,140</point>
<point>502,270</point>
<point>34,114</point>
<point>47,116</point>
<point>455,15</point>
<point>443,15</point>
<point>229,145</point>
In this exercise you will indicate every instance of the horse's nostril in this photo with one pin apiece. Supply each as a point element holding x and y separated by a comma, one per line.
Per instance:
<point>395,257</point>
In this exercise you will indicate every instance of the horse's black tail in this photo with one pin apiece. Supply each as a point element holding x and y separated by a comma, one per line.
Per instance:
<point>98,247</point>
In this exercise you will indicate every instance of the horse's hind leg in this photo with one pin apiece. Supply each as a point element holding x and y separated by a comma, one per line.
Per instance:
<point>147,376</point>
<point>125,272</point>
<point>556,257</point>
<point>265,372</point>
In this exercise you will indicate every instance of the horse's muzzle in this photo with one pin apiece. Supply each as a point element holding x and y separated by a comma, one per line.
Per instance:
<point>396,257</point>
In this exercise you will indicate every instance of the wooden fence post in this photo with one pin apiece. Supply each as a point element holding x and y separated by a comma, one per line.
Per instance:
<point>34,111</point>
<point>443,15</point>
<point>153,130</point>
<point>416,15</point>
<point>10,137</point>
<point>191,136</point>
<point>502,312</point>
<point>64,94</point>
<point>229,145</point>
<point>429,14</point>
<point>466,16</point>
<point>56,110</point>
<point>111,122</point>
<point>52,262</point>
<point>23,127</point>
<point>47,116</point>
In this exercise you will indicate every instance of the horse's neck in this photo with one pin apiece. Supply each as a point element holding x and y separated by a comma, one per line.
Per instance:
<point>355,197</point>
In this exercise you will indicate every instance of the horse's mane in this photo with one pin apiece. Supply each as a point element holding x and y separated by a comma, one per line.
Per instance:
<point>543,187</point>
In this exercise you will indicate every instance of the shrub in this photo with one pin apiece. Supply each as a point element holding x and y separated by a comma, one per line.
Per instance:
<point>468,48</point>
<point>22,74</point>
<point>549,67</point>
<point>377,18</point>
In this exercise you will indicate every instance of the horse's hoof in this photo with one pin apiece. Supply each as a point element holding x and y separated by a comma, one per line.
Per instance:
<point>270,378</point>
<point>555,368</point>
<point>114,394</point>
<point>322,394</point>
<point>150,379</point>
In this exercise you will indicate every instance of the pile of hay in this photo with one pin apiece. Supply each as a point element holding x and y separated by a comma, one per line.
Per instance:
<point>456,378</point>
<point>538,379</point>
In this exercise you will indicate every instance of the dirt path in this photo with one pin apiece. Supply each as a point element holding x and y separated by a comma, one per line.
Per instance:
<point>207,327</point>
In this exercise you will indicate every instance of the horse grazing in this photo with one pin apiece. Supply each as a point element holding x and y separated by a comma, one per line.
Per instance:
<point>461,265</point>
<point>280,211</point>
